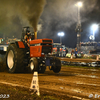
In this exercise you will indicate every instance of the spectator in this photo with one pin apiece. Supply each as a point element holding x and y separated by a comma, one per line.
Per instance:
<point>76,52</point>
<point>66,51</point>
<point>72,52</point>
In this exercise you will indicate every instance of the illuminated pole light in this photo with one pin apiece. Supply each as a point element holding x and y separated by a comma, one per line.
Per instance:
<point>61,34</point>
<point>94,27</point>
<point>79,4</point>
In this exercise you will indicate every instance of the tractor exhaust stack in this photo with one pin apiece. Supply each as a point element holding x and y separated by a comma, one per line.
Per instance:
<point>35,35</point>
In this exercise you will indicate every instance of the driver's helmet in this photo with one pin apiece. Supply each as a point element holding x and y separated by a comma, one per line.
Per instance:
<point>28,33</point>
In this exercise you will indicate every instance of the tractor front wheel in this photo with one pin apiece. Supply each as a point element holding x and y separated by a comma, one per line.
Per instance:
<point>33,64</point>
<point>42,68</point>
<point>56,65</point>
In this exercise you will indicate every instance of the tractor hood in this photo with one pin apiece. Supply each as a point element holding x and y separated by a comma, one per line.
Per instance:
<point>37,41</point>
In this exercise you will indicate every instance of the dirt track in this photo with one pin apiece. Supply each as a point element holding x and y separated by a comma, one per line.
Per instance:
<point>79,60</point>
<point>72,82</point>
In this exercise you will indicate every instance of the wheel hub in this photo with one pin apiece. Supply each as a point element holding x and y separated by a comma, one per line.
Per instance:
<point>10,60</point>
<point>32,65</point>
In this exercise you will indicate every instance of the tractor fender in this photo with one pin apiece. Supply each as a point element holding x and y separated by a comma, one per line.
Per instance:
<point>19,44</point>
<point>48,61</point>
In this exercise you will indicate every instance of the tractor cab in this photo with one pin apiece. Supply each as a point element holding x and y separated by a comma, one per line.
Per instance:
<point>24,32</point>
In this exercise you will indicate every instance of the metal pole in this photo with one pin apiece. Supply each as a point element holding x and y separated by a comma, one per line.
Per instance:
<point>78,28</point>
<point>79,24</point>
<point>79,19</point>
<point>60,40</point>
<point>93,36</point>
<point>60,46</point>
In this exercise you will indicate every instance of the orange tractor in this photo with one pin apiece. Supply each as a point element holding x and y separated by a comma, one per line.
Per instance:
<point>35,57</point>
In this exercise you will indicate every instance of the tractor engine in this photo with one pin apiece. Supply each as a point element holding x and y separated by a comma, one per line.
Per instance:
<point>40,47</point>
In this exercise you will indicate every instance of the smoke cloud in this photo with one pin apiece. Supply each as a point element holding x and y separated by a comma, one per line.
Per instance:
<point>61,15</point>
<point>15,14</point>
<point>57,15</point>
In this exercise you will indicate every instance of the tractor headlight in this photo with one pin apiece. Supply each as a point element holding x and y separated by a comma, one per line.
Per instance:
<point>38,44</point>
<point>42,53</point>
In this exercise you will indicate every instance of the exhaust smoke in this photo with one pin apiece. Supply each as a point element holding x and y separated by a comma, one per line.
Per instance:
<point>18,13</point>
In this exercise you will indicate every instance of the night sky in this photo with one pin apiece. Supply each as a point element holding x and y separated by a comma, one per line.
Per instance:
<point>55,16</point>
<point>62,16</point>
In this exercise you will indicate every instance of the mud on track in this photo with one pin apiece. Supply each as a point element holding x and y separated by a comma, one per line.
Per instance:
<point>69,83</point>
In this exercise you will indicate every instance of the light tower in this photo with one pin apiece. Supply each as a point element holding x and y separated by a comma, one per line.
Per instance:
<point>94,28</point>
<point>61,34</point>
<point>78,27</point>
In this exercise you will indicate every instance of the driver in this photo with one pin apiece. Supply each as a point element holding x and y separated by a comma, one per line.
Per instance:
<point>27,37</point>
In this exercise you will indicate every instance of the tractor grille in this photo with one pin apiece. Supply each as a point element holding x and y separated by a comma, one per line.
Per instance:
<point>46,40</point>
<point>46,49</point>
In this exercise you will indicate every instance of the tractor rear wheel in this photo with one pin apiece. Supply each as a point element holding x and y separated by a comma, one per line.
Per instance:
<point>56,65</point>
<point>14,59</point>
